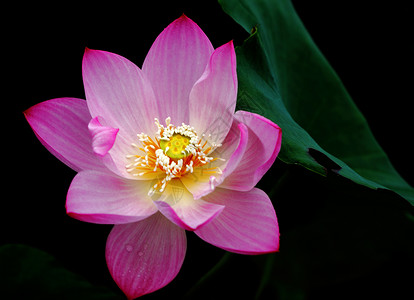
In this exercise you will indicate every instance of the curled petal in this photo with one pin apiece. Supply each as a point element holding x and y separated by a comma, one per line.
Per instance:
<point>263,146</point>
<point>202,181</point>
<point>145,256</point>
<point>105,198</point>
<point>247,225</point>
<point>61,125</point>
<point>103,137</point>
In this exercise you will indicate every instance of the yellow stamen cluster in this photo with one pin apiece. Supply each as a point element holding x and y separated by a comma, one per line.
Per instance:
<point>175,152</point>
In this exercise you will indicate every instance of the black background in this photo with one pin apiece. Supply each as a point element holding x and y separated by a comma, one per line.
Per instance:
<point>369,46</point>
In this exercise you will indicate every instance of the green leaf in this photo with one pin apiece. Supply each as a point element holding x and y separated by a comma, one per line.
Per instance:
<point>283,76</point>
<point>29,273</point>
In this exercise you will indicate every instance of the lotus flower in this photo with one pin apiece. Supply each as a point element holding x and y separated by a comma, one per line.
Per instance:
<point>160,150</point>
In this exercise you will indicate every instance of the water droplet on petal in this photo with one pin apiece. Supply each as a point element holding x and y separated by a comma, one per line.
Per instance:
<point>128,248</point>
<point>141,253</point>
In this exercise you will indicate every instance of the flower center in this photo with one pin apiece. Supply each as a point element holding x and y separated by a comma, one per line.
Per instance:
<point>174,152</point>
<point>175,147</point>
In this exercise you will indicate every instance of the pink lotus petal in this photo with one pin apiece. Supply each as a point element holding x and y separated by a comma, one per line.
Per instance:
<point>213,97</point>
<point>61,125</point>
<point>119,92</point>
<point>103,137</point>
<point>175,61</point>
<point>107,199</point>
<point>145,256</point>
<point>262,149</point>
<point>247,225</point>
<point>179,206</point>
